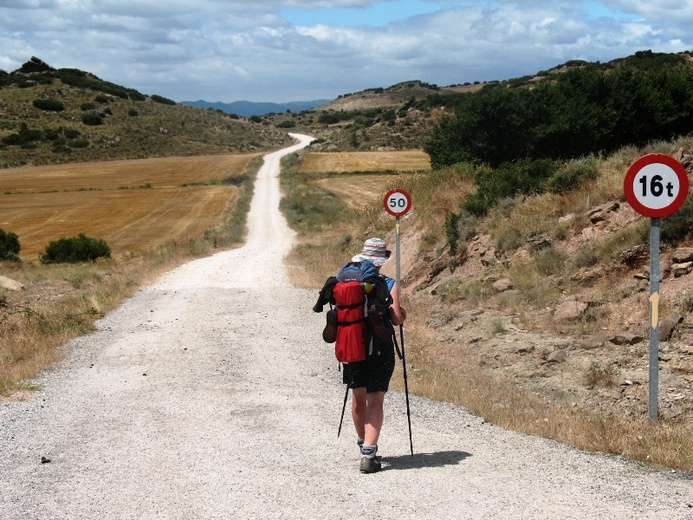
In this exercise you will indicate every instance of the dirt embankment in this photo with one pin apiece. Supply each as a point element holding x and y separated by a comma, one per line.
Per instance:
<point>587,348</point>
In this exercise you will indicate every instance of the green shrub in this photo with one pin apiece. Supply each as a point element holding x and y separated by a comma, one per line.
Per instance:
<point>287,124</point>
<point>550,260</point>
<point>85,107</point>
<point>133,113</point>
<point>23,138</point>
<point>71,133</point>
<point>508,239</point>
<point>51,134</point>
<point>162,100</point>
<point>9,246</point>
<point>572,176</point>
<point>92,119</point>
<point>52,105</point>
<point>523,177</point>
<point>678,225</point>
<point>74,250</point>
<point>78,143</point>
<point>452,231</point>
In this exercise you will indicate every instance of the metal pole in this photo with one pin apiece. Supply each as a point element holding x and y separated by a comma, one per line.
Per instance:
<point>401,335</point>
<point>341,420</point>
<point>654,319</point>
<point>397,250</point>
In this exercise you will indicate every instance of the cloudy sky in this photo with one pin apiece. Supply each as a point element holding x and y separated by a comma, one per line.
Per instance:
<point>298,50</point>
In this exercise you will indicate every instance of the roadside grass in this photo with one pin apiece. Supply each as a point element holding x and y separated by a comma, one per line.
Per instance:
<point>62,301</point>
<point>451,372</point>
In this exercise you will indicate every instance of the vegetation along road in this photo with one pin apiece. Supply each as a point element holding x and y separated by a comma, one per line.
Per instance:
<point>210,394</point>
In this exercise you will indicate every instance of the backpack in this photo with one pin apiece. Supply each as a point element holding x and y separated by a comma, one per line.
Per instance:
<point>360,297</point>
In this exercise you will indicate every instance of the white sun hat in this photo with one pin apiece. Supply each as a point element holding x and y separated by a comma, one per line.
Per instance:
<point>375,250</point>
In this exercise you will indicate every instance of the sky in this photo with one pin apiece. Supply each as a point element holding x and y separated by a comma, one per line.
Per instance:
<point>304,50</point>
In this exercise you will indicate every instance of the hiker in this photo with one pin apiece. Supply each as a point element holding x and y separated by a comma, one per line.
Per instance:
<point>370,379</point>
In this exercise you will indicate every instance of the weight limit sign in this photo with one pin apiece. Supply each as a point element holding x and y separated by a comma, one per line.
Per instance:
<point>656,185</point>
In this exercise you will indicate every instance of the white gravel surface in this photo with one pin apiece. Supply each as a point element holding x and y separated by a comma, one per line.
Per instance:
<point>210,394</point>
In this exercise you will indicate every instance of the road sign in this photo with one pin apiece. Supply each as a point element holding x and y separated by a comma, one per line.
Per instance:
<point>397,202</point>
<point>656,185</point>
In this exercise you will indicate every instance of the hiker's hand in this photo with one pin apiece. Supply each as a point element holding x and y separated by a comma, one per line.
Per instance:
<point>404,312</point>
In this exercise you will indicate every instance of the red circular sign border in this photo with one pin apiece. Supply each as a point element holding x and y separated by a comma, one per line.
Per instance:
<point>406,196</point>
<point>638,165</point>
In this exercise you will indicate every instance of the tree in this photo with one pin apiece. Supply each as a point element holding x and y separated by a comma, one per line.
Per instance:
<point>9,246</point>
<point>74,250</point>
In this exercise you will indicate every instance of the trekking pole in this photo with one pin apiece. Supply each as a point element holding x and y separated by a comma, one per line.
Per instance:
<point>346,395</point>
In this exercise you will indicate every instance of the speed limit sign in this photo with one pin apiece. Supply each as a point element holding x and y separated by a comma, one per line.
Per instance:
<point>656,185</point>
<point>397,202</point>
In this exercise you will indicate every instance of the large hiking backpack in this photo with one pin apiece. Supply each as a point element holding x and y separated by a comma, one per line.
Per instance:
<point>359,299</point>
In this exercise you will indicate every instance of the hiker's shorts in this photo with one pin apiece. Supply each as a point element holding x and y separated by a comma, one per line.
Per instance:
<point>374,373</point>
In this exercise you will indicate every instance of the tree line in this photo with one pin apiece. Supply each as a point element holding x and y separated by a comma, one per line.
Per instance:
<point>586,110</point>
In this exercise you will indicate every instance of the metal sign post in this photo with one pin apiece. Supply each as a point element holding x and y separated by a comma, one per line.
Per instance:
<point>397,202</point>
<point>654,320</point>
<point>656,185</point>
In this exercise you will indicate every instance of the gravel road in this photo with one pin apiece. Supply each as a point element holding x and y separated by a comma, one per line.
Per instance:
<point>210,394</point>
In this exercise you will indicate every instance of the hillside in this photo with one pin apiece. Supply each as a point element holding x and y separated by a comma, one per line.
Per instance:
<point>402,116</point>
<point>64,115</point>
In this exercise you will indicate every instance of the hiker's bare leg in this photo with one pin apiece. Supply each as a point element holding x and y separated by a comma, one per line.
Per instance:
<point>358,411</point>
<point>374,417</point>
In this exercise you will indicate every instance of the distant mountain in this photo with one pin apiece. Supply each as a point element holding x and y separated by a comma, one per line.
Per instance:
<point>251,108</point>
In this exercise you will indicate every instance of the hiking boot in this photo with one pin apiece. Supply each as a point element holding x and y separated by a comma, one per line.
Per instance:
<point>369,462</point>
<point>369,465</point>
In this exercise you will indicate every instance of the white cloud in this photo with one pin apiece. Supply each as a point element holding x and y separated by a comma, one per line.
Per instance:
<point>228,50</point>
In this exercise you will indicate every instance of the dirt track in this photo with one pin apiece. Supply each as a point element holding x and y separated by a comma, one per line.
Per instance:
<point>211,395</point>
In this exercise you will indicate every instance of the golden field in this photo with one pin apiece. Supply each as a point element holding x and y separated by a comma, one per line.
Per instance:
<point>342,162</point>
<point>133,205</point>
<point>345,179</point>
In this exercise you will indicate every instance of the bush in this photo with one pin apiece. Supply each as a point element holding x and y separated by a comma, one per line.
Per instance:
<point>676,227</point>
<point>52,105</point>
<point>287,124</point>
<point>78,143</point>
<point>74,250</point>
<point>523,177</point>
<point>9,246</point>
<point>572,176</point>
<point>162,100</point>
<point>24,138</point>
<point>92,119</point>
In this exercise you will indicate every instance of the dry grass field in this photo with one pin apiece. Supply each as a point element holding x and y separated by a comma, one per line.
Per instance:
<point>133,205</point>
<point>342,162</point>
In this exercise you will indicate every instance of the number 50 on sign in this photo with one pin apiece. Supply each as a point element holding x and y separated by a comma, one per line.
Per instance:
<point>397,202</point>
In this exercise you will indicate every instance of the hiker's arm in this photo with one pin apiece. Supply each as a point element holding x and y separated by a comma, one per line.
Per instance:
<point>397,313</point>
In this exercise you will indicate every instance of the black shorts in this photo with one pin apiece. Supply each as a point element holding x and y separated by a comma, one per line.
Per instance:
<point>374,373</point>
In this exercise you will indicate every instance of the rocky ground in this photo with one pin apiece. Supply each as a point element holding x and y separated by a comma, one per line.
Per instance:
<point>589,346</point>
